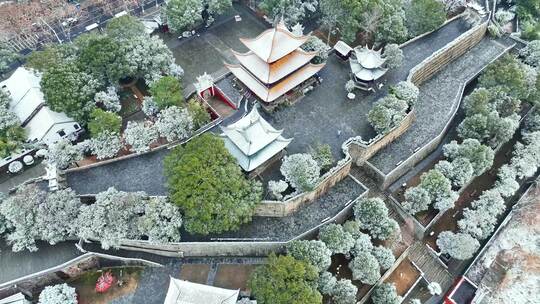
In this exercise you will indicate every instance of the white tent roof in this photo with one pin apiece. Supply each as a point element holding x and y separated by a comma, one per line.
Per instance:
<point>272,44</point>
<point>273,72</point>
<point>342,48</point>
<point>25,92</point>
<point>43,121</point>
<point>366,74</point>
<point>184,292</point>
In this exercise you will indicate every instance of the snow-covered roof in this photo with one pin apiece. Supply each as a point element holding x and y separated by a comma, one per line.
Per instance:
<point>184,292</point>
<point>366,74</point>
<point>253,141</point>
<point>343,48</point>
<point>273,44</point>
<point>369,58</point>
<point>276,91</point>
<point>273,72</point>
<point>25,92</point>
<point>17,298</point>
<point>43,121</point>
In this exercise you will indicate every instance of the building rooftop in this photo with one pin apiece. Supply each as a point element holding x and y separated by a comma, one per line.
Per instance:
<point>273,44</point>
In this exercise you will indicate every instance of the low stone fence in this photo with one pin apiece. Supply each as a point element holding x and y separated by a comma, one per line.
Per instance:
<point>234,247</point>
<point>31,285</point>
<point>283,208</point>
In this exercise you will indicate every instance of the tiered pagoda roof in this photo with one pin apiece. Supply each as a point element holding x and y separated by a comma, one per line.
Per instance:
<point>274,64</point>
<point>253,141</point>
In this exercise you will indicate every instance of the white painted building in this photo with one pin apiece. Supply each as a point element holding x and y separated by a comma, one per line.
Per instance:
<point>28,103</point>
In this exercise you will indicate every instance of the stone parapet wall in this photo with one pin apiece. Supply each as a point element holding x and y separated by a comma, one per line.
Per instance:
<point>440,59</point>
<point>291,205</point>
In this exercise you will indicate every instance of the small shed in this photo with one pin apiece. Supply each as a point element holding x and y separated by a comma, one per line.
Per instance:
<point>343,50</point>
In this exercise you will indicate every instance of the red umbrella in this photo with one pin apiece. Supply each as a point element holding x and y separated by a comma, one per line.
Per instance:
<point>104,282</point>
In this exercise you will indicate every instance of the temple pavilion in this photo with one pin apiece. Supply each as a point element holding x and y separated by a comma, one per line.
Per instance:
<point>367,66</point>
<point>253,141</point>
<point>275,65</point>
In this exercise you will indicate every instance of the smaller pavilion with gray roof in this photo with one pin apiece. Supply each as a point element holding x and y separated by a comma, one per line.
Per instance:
<point>253,141</point>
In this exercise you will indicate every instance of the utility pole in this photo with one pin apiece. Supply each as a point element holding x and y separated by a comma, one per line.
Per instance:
<point>59,40</point>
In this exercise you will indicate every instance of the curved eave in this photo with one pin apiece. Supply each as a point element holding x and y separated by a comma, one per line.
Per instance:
<point>273,44</point>
<point>276,91</point>
<point>274,72</point>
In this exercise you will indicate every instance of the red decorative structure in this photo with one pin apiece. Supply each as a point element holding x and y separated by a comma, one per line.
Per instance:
<point>105,282</point>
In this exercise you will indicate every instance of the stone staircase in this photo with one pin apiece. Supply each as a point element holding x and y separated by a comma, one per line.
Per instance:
<point>431,266</point>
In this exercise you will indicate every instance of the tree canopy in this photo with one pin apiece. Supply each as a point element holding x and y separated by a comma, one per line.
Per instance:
<point>424,16</point>
<point>207,184</point>
<point>166,92</point>
<point>285,280</point>
<point>102,121</point>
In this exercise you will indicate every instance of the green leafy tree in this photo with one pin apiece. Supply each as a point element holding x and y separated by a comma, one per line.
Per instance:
<point>436,185</point>
<point>322,154</point>
<point>285,280</point>
<point>507,74</point>
<point>207,184</point>
<point>314,252</point>
<point>183,14</point>
<point>218,7</point>
<point>101,121</point>
<point>385,294</point>
<point>125,27</point>
<point>67,89</point>
<point>292,11</point>
<point>387,113</point>
<point>199,114</point>
<point>531,54</point>
<point>480,156</point>
<point>393,55</point>
<point>166,92</point>
<point>372,214</point>
<point>424,16</point>
<point>336,239</point>
<point>100,56</point>
<point>52,55</point>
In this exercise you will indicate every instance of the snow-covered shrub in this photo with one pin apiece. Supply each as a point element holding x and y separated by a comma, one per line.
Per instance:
<point>480,156</point>
<point>460,246</point>
<point>314,252</point>
<point>451,6</point>
<point>362,244</point>
<point>322,154</point>
<point>406,90</point>
<point>314,44</point>
<point>446,201</point>
<point>387,112</point>
<point>326,283</point>
<point>506,182</point>
<point>385,294</point>
<point>105,145</point>
<point>149,106</point>
<point>504,16</point>
<point>417,199</point>
<point>108,99</point>
<point>301,171</point>
<point>336,239</point>
<point>344,292</point>
<point>63,153</point>
<point>139,135</point>
<point>372,214</point>
<point>479,221</point>
<point>434,288</point>
<point>531,54</point>
<point>350,86</point>
<point>161,221</point>
<point>56,216</point>
<point>174,123</point>
<point>277,188</point>
<point>352,227</point>
<point>384,256</point>
<point>393,55</point>
<point>365,268</point>
<point>58,294</point>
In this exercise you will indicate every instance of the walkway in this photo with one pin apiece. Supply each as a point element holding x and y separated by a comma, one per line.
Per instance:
<point>430,265</point>
<point>17,179</point>
<point>439,98</point>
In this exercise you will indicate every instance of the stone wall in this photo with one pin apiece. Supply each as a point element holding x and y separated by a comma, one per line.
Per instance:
<point>361,152</point>
<point>284,208</point>
<point>440,59</point>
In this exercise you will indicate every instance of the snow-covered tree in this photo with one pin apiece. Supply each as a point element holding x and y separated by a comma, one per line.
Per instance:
<point>58,294</point>
<point>352,227</point>
<point>63,153</point>
<point>149,106</point>
<point>105,145</point>
<point>480,156</point>
<point>350,86</point>
<point>393,55</point>
<point>434,288</point>
<point>108,99</point>
<point>112,218</point>
<point>385,294</point>
<point>460,246</point>
<point>326,283</point>
<point>384,256</point>
<point>55,217</point>
<point>292,11</point>
<point>322,154</point>
<point>387,112</point>
<point>372,214</point>
<point>19,211</point>
<point>344,292</point>
<point>446,201</point>
<point>531,54</point>
<point>174,123</point>
<point>140,135</point>
<point>526,158</point>
<point>276,188</point>
<point>459,171</point>
<point>314,44</point>
<point>301,171</point>
<point>297,29</point>
<point>365,268</point>
<point>218,7</point>
<point>506,181</point>
<point>479,220</point>
<point>161,221</point>
<point>436,184</point>
<point>182,15</point>
<point>417,199</point>
<point>362,244</point>
<point>314,252</point>
<point>8,118</point>
<point>336,239</point>
<point>406,90</point>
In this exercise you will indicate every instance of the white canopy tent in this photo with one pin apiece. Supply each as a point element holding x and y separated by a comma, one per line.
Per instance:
<point>184,292</point>
<point>367,64</point>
